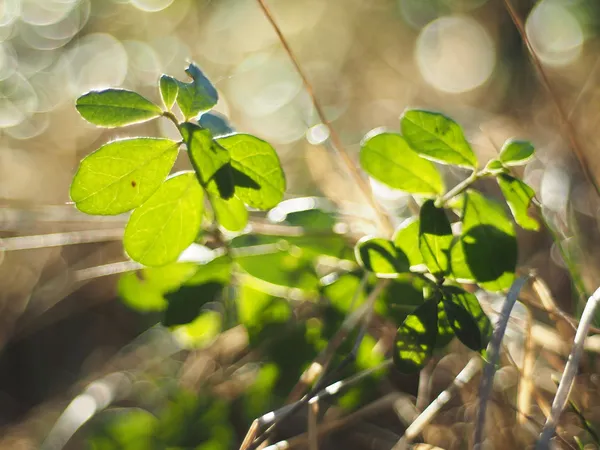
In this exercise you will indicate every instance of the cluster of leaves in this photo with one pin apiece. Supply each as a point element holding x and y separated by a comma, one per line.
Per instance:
<point>231,170</point>
<point>484,252</point>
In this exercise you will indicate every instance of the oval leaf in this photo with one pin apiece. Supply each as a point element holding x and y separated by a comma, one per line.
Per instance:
<point>116,108</point>
<point>435,238</point>
<point>164,226</point>
<point>122,175</point>
<point>518,195</point>
<point>388,158</point>
<point>231,214</point>
<point>415,339</point>
<point>437,137</point>
<point>381,257</point>
<point>217,123</point>
<point>168,90</point>
<point>406,238</point>
<point>257,174</point>
<point>197,96</point>
<point>206,155</point>
<point>467,319</point>
<point>516,152</point>
<point>486,252</point>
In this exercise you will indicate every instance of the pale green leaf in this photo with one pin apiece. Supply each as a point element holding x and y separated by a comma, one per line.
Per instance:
<point>515,152</point>
<point>231,214</point>
<point>257,174</point>
<point>381,257</point>
<point>518,195</point>
<point>164,226</point>
<point>206,155</point>
<point>198,96</point>
<point>169,89</point>
<point>122,175</point>
<point>406,238</point>
<point>437,137</point>
<point>388,158</point>
<point>116,108</point>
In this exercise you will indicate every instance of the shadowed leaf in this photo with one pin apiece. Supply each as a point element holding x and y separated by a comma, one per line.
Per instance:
<point>415,338</point>
<point>381,257</point>
<point>435,238</point>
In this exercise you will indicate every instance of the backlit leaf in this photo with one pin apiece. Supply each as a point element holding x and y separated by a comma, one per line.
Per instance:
<point>518,195</point>
<point>406,238</point>
<point>437,137</point>
<point>467,319</point>
<point>206,155</point>
<point>257,174</point>
<point>116,108</point>
<point>122,175</point>
<point>196,96</point>
<point>516,152</point>
<point>416,337</point>
<point>435,238</point>
<point>388,158</point>
<point>486,252</point>
<point>168,90</point>
<point>381,257</point>
<point>231,214</point>
<point>164,226</point>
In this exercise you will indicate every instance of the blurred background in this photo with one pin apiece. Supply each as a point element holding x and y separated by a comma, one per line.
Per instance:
<point>63,329</point>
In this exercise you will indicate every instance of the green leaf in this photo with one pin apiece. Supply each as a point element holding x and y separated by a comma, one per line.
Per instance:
<point>486,252</point>
<point>122,175</point>
<point>467,319</point>
<point>406,238</point>
<point>516,152</point>
<point>186,304</point>
<point>345,292</point>
<point>257,174</point>
<point>388,158</point>
<point>435,238</point>
<point>415,338</point>
<point>164,226</point>
<point>217,123</point>
<point>169,89</point>
<point>116,108</point>
<point>197,96</point>
<point>402,296</point>
<point>381,257</point>
<point>495,166</point>
<point>231,214</point>
<point>445,332</point>
<point>437,137</point>
<point>206,155</point>
<point>518,195</point>
<point>144,290</point>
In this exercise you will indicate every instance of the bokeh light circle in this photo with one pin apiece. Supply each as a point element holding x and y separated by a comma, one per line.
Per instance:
<point>455,54</point>
<point>151,5</point>
<point>555,34</point>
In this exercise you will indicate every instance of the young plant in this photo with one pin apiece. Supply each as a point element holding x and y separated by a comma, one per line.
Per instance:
<point>485,250</point>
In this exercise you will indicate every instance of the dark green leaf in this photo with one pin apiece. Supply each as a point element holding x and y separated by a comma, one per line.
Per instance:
<point>217,123</point>
<point>415,339</point>
<point>518,195</point>
<point>516,152</point>
<point>486,252</point>
<point>445,332</point>
<point>186,304</point>
<point>206,155</point>
<point>257,174</point>
<point>435,238</point>
<point>197,96</point>
<point>164,226</point>
<point>401,297</point>
<point>122,175</point>
<point>437,137</point>
<point>116,108</point>
<point>406,238</point>
<point>381,257</point>
<point>168,90</point>
<point>467,319</point>
<point>388,158</point>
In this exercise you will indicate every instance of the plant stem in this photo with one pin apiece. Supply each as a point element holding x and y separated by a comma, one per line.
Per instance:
<point>169,115</point>
<point>352,170</point>
<point>461,187</point>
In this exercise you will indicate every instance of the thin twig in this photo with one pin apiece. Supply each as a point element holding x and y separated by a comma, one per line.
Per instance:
<point>313,412</point>
<point>566,382</point>
<point>563,116</point>
<point>383,219</point>
<point>525,380</point>
<point>493,350</point>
